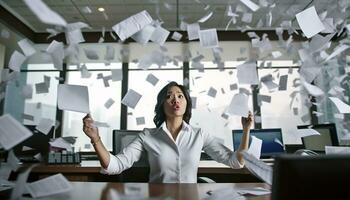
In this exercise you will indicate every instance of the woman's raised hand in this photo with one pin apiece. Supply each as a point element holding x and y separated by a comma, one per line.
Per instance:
<point>247,122</point>
<point>89,128</point>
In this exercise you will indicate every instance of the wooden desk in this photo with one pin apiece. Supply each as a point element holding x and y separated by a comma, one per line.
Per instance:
<point>98,190</point>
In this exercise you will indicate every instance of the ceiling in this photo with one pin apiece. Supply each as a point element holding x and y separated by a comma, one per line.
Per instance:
<point>172,11</point>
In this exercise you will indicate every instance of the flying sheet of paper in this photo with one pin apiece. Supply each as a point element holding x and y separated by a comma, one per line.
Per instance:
<point>312,89</point>
<point>131,98</point>
<point>194,102</point>
<point>144,35</point>
<point>206,17</point>
<point>212,92</point>
<point>27,47</point>
<point>74,36</point>
<point>16,61</point>
<point>132,25</point>
<point>318,42</point>
<point>21,181</point>
<point>176,36</point>
<point>12,132</point>
<point>258,167</point>
<point>152,79</point>
<point>247,74</point>
<point>140,121</point>
<point>91,54</point>
<point>283,83</point>
<point>84,72</point>
<point>73,98</point>
<point>27,91</point>
<point>13,161</point>
<point>341,106</point>
<point>49,186</point>
<point>309,22</point>
<point>337,51</point>
<point>192,31</point>
<point>159,35</point>
<point>257,191</point>
<point>208,38</point>
<point>41,88</point>
<point>268,82</point>
<point>56,50</point>
<point>307,132</point>
<point>109,103</point>
<point>117,74</point>
<point>110,52</point>
<point>45,125</point>
<point>239,105</point>
<point>61,143</point>
<point>337,150</point>
<point>251,5</point>
<point>44,13</point>
<point>247,17</point>
<point>255,147</point>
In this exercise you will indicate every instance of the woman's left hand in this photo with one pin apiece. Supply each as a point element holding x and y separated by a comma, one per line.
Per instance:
<point>247,121</point>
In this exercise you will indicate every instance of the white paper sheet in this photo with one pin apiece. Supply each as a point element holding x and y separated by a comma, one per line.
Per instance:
<point>16,61</point>
<point>247,74</point>
<point>74,36</point>
<point>176,36</point>
<point>255,147</point>
<point>49,186</point>
<point>159,35</point>
<point>27,47</point>
<point>192,31</point>
<point>117,74</point>
<point>13,161</point>
<point>109,103</point>
<point>61,143</point>
<point>224,193</point>
<point>239,105</point>
<point>56,50</point>
<point>152,79</point>
<point>84,72</point>
<point>131,98</point>
<point>205,18</point>
<point>140,121</point>
<point>132,24</point>
<point>341,106</point>
<point>208,38</point>
<point>73,98</point>
<point>44,13</point>
<point>251,5</point>
<point>307,132</point>
<point>45,125</point>
<point>212,92</point>
<point>41,88</point>
<point>21,181</point>
<point>337,51</point>
<point>257,191</point>
<point>312,89</point>
<point>110,52</point>
<point>318,42</point>
<point>283,83</point>
<point>12,132</point>
<point>27,91</point>
<point>258,167</point>
<point>337,150</point>
<point>91,54</point>
<point>309,22</point>
<point>144,35</point>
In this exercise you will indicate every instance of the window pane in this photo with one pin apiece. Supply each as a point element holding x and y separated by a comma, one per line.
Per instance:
<point>209,110</point>
<point>145,107</point>
<point>95,66</point>
<point>279,113</point>
<point>98,95</point>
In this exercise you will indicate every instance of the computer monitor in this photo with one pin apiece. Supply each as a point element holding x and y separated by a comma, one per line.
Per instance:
<point>310,177</point>
<point>39,143</point>
<point>270,137</point>
<point>328,137</point>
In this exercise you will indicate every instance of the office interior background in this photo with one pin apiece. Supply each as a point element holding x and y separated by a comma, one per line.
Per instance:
<point>180,61</point>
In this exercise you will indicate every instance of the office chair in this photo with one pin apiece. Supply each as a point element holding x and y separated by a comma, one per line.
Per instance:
<point>122,138</point>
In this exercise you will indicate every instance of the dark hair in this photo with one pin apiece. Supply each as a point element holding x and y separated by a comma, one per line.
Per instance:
<point>159,117</point>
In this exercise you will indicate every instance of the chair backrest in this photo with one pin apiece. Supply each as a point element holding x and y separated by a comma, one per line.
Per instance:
<point>121,138</point>
<point>317,143</point>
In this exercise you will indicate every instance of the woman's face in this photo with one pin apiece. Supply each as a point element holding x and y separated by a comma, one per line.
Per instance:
<point>175,103</point>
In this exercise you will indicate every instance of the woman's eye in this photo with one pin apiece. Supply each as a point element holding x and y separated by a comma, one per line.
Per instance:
<point>180,96</point>
<point>168,96</point>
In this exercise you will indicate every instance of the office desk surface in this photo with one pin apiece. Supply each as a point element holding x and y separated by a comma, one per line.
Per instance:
<point>99,190</point>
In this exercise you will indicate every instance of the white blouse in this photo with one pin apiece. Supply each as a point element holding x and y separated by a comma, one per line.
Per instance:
<point>172,161</point>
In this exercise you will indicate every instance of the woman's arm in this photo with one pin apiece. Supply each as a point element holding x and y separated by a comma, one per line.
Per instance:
<point>92,132</point>
<point>246,125</point>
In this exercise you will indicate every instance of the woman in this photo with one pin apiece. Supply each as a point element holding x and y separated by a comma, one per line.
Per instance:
<point>174,147</point>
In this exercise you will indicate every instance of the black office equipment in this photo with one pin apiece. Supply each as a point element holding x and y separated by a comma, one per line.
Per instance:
<point>63,158</point>
<point>272,140</point>
<point>311,177</point>
<point>317,143</point>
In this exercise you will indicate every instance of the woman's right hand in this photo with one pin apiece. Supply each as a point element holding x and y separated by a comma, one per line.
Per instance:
<point>89,128</point>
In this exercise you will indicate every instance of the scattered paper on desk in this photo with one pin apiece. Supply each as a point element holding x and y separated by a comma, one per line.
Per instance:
<point>159,35</point>
<point>309,22</point>
<point>132,24</point>
<point>21,181</point>
<point>16,61</point>
<point>44,13</point>
<point>192,31</point>
<point>152,79</point>
<point>13,161</point>
<point>257,191</point>
<point>337,150</point>
<point>258,167</point>
<point>48,186</point>
<point>45,125</point>
<point>27,47</point>
<point>144,35</point>
<point>341,106</point>
<point>176,36</point>
<point>117,74</point>
<point>131,98</point>
<point>312,89</point>
<point>73,98</point>
<point>251,5</point>
<point>208,38</point>
<point>239,105</point>
<point>12,132</point>
<point>307,132</point>
<point>247,74</point>
<point>224,193</point>
<point>255,147</point>
<point>109,103</point>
